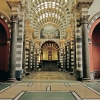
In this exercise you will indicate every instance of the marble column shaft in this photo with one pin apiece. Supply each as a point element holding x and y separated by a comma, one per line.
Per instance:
<point>13,46</point>
<point>36,60</point>
<point>23,66</point>
<point>58,56</point>
<point>69,56</point>
<point>74,53</point>
<point>86,67</point>
<point>29,57</point>
<point>66,58</point>
<point>33,59</point>
<point>63,60</point>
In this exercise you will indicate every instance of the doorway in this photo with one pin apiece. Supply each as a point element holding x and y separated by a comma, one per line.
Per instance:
<point>49,56</point>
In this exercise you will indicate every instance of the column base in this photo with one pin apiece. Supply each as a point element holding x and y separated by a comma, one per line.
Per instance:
<point>24,75</point>
<point>92,75</point>
<point>18,74</point>
<point>11,80</point>
<point>79,74</point>
<point>79,79</point>
<point>75,76</point>
<point>86,79</point>
<point>19,79</point>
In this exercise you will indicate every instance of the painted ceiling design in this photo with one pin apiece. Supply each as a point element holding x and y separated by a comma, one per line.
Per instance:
<point>50,32</point>
<point>53,12</point>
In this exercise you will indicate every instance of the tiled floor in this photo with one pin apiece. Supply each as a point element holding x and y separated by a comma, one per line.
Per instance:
<point>3,86</point>
<point>51,95</point>
<point>51,86</point>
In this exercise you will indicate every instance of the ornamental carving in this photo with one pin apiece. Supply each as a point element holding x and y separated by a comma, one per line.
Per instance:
<point>79,23</point>
<point>69,32</point>
<point>84,19</point>
<point>14,18</point>
<point>29,31</point>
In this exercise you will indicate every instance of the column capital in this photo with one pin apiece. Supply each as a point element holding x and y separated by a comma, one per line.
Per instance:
<point>84,19</point>
<point>14,18</point>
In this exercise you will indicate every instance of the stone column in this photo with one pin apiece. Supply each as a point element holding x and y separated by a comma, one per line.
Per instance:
<point>74,55</point>
<point>63,61</point>
<point>66,58</point>
<point>79,56</point>
<point>86,69</point>
<point>78,48</point>
<point>33,59</point>
<point>23,65</point>
<point>58,56</point>
<point>36,60</point>
<point>69,51</point>
<point>29,57</point>
<point>12,60</point>
<point>79,9</point>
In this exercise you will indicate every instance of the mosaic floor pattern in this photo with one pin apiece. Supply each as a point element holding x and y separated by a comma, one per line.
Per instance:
<point>50,86</point>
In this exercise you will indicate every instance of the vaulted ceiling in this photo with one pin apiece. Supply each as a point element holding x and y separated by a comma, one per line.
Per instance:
<point>54,12</point>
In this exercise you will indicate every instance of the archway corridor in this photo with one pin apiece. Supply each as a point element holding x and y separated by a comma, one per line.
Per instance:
<point>50,85</point>
<point>49,49</point>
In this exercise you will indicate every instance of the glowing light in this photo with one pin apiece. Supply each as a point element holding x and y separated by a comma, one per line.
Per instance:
<point>33,0</point>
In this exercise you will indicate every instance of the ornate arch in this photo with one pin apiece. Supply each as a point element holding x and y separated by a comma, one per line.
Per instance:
<point>49,40</point>
<point>92,20</point>
<point>6,25</point>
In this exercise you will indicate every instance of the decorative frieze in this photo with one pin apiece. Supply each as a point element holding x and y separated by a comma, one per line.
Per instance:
<point>83,3</point>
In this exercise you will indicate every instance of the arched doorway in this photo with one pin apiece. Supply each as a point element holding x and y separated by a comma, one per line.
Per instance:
<point>94,48</point>
<point>4,49</point>
<point>49,56</point>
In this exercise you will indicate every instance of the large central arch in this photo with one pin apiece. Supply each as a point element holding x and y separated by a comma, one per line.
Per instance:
<point>49,56</point>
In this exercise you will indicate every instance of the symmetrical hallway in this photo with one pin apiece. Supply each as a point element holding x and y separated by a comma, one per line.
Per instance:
<point>49,49</point>
<point>50,86</point>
